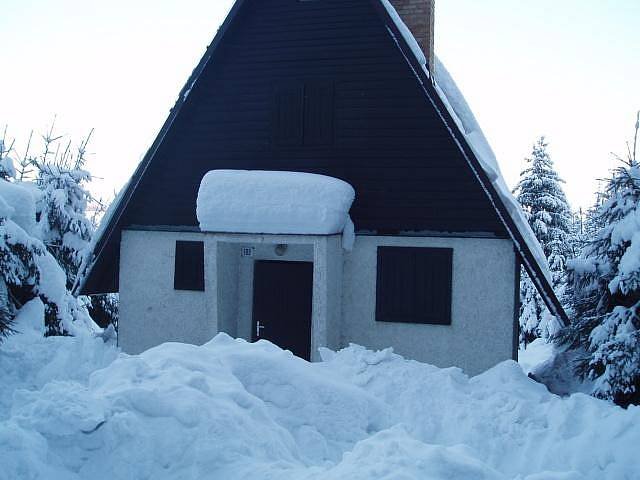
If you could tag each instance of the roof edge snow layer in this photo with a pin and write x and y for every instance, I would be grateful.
(486, 172)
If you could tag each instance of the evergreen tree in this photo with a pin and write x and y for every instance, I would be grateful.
(65, 229)
(606, 286)
(65, 226)
(545, 205)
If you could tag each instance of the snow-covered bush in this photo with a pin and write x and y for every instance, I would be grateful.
(606, 292)
(545, 205)
(28, 270)
(44, 230)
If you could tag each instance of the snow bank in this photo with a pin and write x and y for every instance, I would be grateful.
(253, 201)
(232, 410)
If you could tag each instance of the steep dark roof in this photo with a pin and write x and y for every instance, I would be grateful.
(100, 272)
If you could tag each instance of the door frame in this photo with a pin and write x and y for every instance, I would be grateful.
(254, 320)
(229, 273)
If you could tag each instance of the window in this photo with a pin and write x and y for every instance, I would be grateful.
(304, 113)
(414, 285)
(189, 266)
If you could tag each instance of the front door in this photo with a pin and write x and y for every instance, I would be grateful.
(282, 295)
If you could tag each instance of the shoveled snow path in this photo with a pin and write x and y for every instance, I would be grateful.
(230, 409)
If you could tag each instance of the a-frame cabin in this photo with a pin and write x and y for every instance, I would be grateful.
(339, 88)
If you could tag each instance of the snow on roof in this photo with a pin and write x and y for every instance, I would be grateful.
(258, 201)
(460, 111)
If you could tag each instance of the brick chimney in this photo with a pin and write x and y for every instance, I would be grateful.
(419, 17)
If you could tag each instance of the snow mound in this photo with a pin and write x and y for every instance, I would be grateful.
(74, 408)
(254, 201)
(17, 204)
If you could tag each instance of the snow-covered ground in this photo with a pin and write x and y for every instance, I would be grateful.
(75, 408)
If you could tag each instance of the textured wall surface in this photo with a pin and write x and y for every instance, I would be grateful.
(344, 295)
(151, 311)
(481, 330)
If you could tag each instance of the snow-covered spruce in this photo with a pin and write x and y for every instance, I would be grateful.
(64, 226)
(66, 229)
(606, 300)
(545, 205)
(74, 408)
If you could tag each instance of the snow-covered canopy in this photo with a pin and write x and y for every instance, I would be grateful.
(257, 201)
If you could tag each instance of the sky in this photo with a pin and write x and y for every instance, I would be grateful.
(566, 69)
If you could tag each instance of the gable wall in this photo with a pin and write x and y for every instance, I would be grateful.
(387, 141)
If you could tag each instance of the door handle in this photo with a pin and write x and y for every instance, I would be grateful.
(259, 327)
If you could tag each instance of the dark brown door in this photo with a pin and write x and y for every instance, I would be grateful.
(282, 293)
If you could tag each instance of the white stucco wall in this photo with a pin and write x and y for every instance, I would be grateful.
(151, 311)
(481, 330)
(344, 295)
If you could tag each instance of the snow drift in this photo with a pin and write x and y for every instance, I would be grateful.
(75, 408)
(253, 201)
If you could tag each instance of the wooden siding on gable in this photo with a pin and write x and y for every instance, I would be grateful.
(363, 118)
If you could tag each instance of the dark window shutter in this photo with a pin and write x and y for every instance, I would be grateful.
(414, 285)
(189, 266)
(289, 118)
(318, 113)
